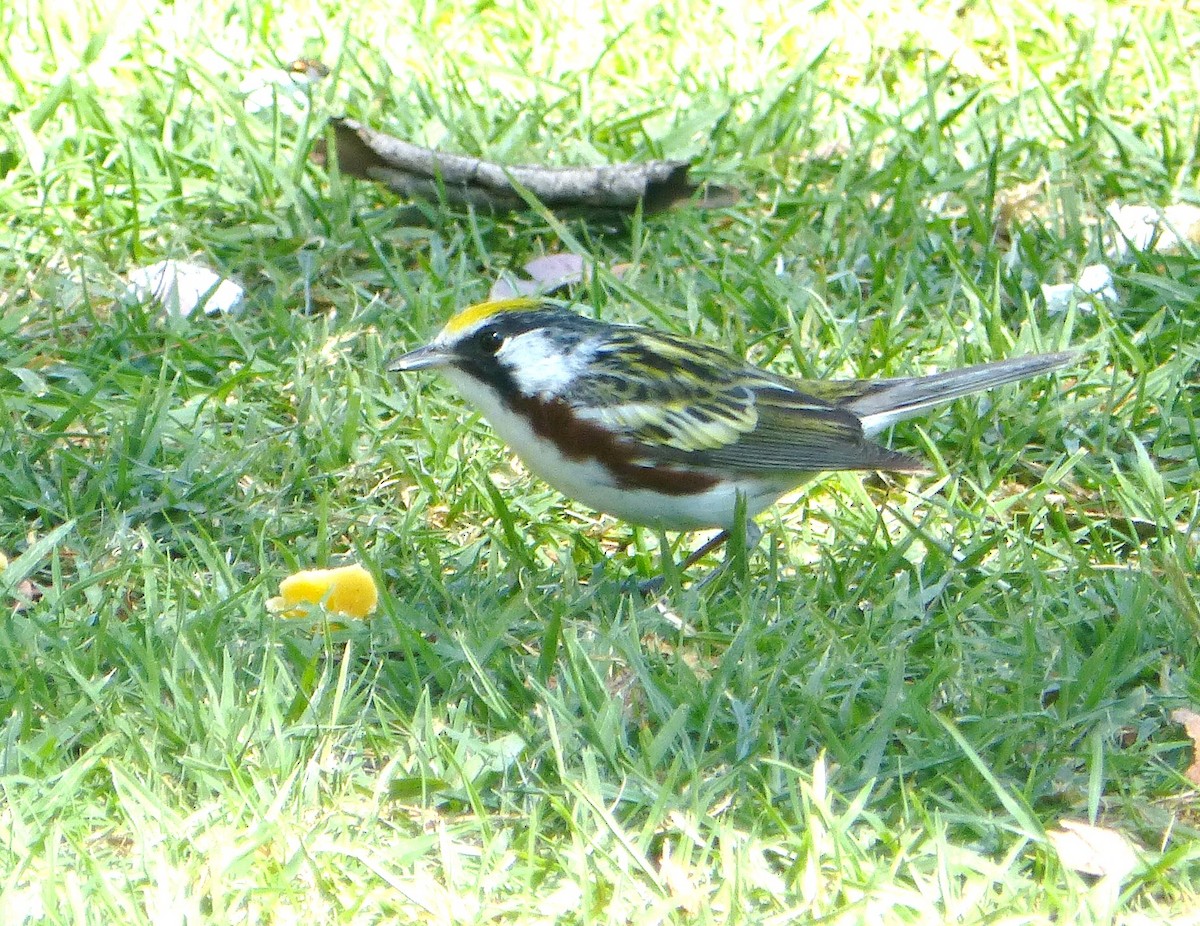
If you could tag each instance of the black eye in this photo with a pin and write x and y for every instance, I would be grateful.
(488, 341)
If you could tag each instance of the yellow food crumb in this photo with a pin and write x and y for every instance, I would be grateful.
(347, 590)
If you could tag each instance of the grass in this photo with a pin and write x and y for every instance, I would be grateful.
(876, 718)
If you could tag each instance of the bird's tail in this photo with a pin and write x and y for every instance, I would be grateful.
(889, 400)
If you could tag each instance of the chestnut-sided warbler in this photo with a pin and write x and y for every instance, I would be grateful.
(665, 431)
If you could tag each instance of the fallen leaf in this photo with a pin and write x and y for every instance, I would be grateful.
(1191, 726)
(556, 269)
(1093, 850)
(547, 273)
(1019, 203)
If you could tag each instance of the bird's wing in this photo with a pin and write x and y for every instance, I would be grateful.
(676, 401)
(799, 433)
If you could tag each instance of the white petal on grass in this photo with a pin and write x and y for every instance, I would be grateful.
(263, 88)
(564, 899)
(179, 287)
(1148, 228)
(1094, 850)
(1095, 282)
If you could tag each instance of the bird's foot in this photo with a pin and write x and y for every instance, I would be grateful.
(752, 535)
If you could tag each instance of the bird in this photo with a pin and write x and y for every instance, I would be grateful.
(669, 432)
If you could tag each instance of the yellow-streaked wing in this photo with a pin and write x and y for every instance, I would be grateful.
(659, 390)
(798, 433)
(677, 401)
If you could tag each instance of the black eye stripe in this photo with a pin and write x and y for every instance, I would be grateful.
(478, 349)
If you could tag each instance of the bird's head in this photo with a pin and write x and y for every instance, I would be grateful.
(528, 345)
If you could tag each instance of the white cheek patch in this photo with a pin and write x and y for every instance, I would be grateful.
(540, 366)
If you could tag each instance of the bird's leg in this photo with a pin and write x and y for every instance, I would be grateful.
(751, 534)
(713, 543)
(653, 585)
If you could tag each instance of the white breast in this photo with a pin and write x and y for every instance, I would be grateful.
(588, 482)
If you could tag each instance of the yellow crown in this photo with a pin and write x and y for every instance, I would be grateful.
(473, 315)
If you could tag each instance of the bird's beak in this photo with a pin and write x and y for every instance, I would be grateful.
(423, 358)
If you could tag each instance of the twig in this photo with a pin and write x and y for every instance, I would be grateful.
(422, 173)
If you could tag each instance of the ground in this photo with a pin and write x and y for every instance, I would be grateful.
(886, 713)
